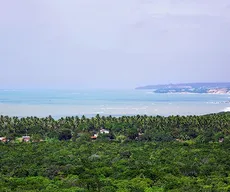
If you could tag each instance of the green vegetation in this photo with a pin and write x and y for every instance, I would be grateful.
(139, 154)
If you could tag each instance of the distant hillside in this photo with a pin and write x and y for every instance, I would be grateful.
(215, 88)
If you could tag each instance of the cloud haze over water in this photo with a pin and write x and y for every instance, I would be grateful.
(113, 44)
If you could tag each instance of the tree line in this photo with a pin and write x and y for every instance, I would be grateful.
(204, 128)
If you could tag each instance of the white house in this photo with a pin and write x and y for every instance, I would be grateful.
(104, 131)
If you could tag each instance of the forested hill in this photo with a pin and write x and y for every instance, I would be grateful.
(134, 154)
(190, 88)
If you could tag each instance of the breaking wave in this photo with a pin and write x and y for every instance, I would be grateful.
(227, 109)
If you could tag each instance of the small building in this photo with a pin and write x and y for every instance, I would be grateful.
(180, 140)
(94, 137)
(221, 140)
(104, 131)
(25, 138)
(3, 139)
(140, 133)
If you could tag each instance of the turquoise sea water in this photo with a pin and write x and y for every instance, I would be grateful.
(107, 102)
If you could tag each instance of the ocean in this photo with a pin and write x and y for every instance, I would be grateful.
(59, 103)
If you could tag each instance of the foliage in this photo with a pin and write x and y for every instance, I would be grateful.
(140, 153)
(146, 128)
(113, 166)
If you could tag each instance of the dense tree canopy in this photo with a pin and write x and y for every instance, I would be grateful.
(113, 166)
(149, 128)
(139, 154)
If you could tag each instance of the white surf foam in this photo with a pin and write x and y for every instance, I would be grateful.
(226, 109)
(98, 112)
(149, 92)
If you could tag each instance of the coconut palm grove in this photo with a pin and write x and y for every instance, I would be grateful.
(123, 154)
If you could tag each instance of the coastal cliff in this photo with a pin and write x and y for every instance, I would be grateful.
(211, 88)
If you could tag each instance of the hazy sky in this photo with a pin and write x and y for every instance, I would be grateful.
(113, 43)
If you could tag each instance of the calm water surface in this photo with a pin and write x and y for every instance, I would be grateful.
(107, 102)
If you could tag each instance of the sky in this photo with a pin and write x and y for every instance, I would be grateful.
(113, 44)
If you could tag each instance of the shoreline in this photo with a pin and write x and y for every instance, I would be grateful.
(185, 93)
(162, 109)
